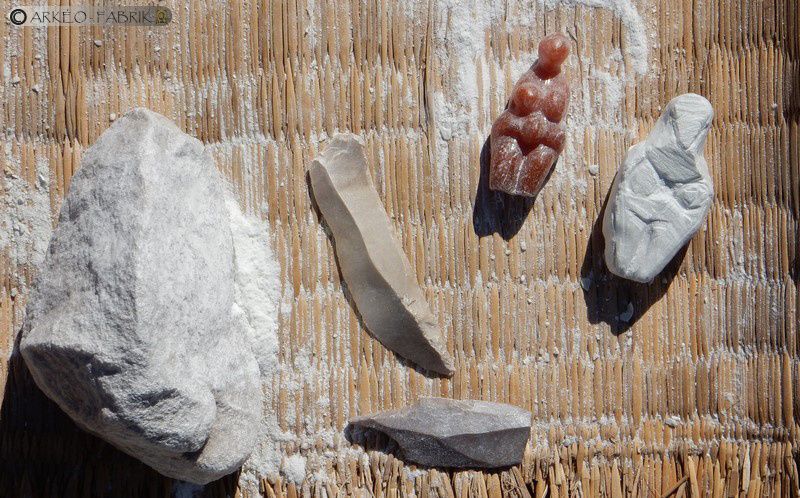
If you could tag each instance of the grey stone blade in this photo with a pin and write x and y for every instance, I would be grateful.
(377, 272)
(440, 432)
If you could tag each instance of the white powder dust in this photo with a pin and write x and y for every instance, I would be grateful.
(257, 296)
(25, 228)
(257, 287)
(25, 218)
(294, 468)
(635, 32)
(459, 44)
(460, 41)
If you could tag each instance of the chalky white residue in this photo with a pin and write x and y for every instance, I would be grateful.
(460, 39)
(25, 226)
(635, 32)
(257, 289)
(257, 296)
(294, 468)
(25, 219)
(309, 22)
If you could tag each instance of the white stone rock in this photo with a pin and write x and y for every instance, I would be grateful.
(661, 194)
(130, 328)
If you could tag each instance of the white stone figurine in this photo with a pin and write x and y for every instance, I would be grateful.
(661, 194)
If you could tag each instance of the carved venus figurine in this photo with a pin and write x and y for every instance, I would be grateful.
(528, 136)
(662, 192)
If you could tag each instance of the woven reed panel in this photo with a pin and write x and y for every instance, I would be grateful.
(688, 385)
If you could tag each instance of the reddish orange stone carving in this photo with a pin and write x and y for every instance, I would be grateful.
(528, 136)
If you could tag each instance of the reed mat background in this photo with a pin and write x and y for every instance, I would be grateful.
(686, 386)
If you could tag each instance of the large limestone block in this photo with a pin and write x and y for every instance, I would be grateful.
(662, 192)
(130, 327)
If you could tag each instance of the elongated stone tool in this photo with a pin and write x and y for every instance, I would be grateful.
(377, 272)
(440, 432)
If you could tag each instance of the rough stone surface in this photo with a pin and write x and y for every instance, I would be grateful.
(130, 327)
(528, 135)
(439, 432)
(661, 194)
(377, 272)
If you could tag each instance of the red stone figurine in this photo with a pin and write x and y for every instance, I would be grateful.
(528, 136)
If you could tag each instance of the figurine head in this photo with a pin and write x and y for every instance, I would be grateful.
(690, 116)
(553, 51)
(675, 145)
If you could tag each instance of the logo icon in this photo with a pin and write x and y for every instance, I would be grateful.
(163, 16)
(18, 17)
